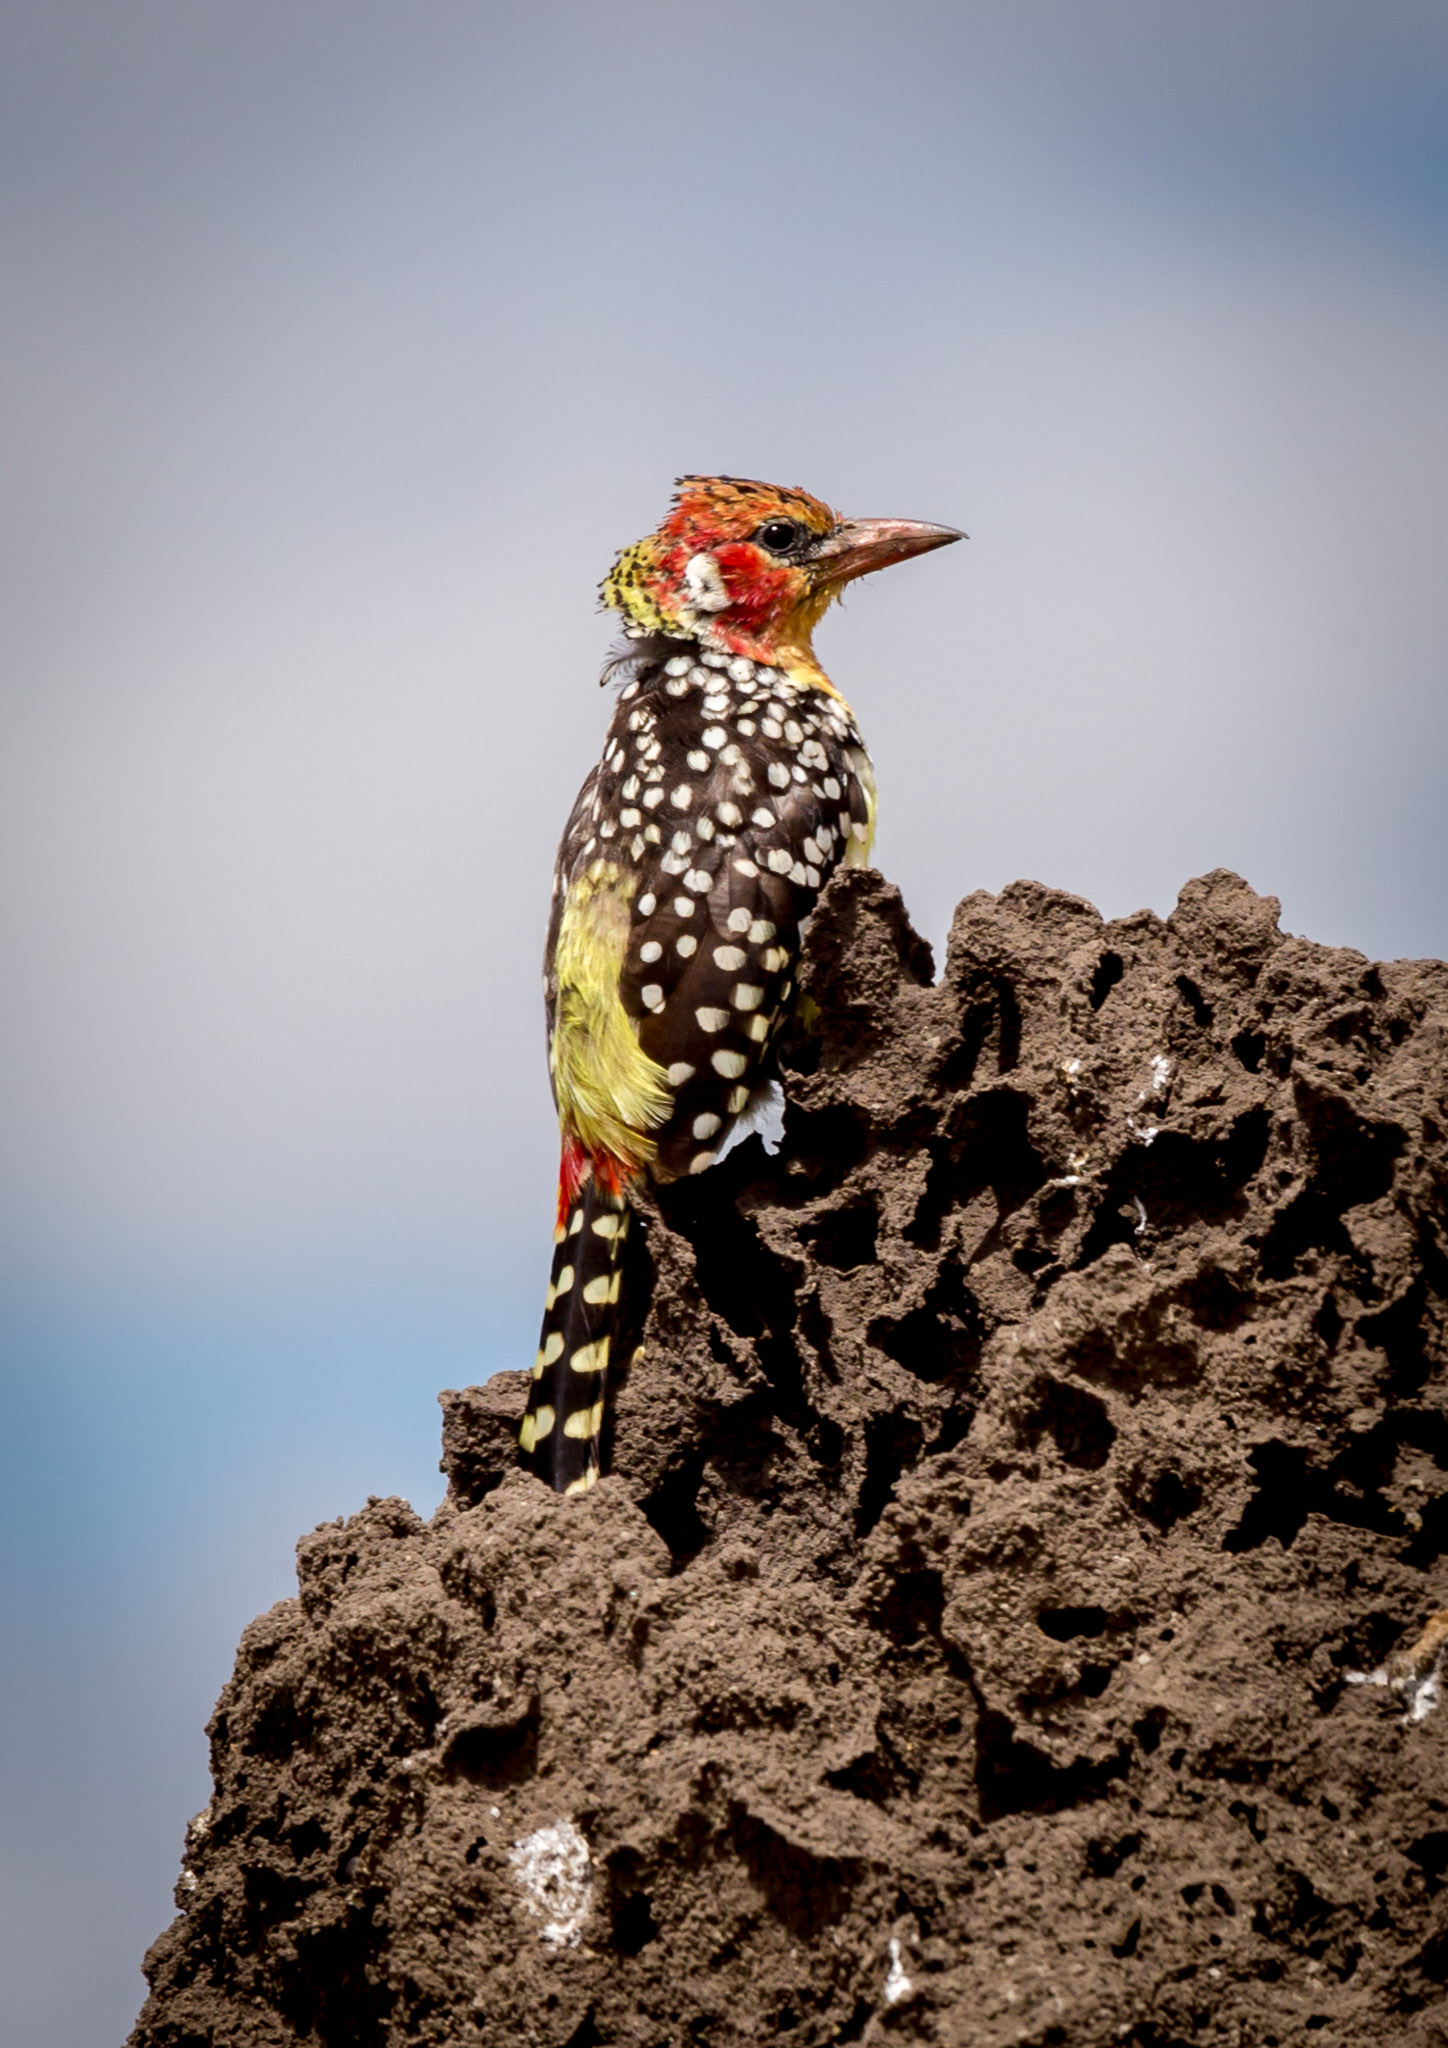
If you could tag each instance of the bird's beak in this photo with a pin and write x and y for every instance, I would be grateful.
(859, 545)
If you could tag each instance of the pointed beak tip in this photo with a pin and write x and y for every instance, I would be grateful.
(862, 545)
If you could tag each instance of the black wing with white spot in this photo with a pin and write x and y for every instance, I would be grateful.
(726, 796)
(762, 806)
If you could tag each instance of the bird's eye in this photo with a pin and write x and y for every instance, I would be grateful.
(780, 535)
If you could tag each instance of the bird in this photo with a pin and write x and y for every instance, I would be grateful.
(733, 782)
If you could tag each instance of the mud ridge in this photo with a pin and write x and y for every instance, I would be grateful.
(1014, 1469)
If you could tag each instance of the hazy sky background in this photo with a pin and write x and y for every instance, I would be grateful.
(343, 345)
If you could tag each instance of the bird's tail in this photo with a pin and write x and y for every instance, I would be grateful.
(563, 1424)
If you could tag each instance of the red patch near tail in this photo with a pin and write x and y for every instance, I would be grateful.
(576, 1165)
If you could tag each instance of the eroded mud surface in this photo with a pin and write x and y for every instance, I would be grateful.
(1015, 1468)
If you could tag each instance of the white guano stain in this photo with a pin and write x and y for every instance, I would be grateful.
(1420, 1692)
(554, 1873)
(1161, 1071)
(897, 1985)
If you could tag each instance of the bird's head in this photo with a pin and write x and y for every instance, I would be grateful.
(750, 568)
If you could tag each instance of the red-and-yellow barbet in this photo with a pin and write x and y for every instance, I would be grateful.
(733, 782)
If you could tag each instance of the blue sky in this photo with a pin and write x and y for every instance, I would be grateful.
(344, 346)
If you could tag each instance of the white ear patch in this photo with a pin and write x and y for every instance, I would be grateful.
(705, 584)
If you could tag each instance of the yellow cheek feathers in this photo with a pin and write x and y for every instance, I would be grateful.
(630, 585)
(610, 1094)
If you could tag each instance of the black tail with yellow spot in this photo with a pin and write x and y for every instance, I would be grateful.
(563, 1425)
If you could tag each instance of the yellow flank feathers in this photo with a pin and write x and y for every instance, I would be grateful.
(610, 1093)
